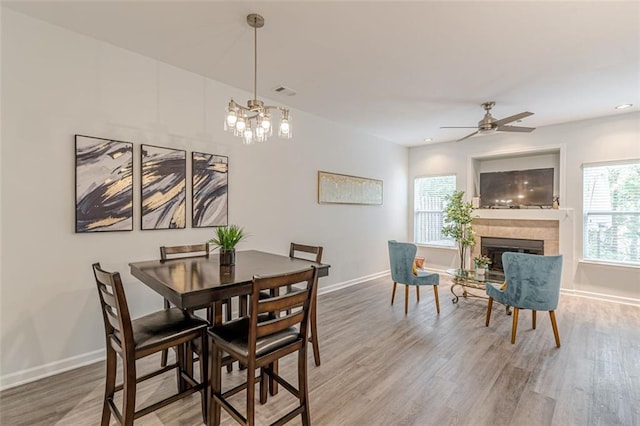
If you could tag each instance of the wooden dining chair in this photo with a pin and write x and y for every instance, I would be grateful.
(259, 340)
(196, 250)
(295, 251)
(132, 340)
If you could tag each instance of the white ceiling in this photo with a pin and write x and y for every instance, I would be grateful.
(397, 70)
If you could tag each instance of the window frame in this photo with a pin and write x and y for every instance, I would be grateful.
(610, 212)
(433, 243)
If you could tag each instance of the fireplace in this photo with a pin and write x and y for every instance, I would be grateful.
(493, 247)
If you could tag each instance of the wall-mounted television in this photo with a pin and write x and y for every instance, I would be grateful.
(517, 189)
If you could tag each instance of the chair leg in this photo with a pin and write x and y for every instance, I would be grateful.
(406, 299)
(204, 375)
(264, 385)
(418, 292)
(435, 295)
(251, 393)
(314, 332)
(303, 391)
(129, 395)
(489, 306)
(273, 385)
(393, 292)
(215, 386)
(109, 385)
(514, 326)
(533, 319)
(552, 315)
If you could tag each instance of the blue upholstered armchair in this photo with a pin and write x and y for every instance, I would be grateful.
(401, 258)
(532, 282)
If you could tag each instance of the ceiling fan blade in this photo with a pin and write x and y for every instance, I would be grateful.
(512, 118)
(468, 136)
(515, 129)
(458, 127)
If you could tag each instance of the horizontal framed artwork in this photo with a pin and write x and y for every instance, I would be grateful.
(104, 185)
(334, 188)
(210, 185)
(164, 172)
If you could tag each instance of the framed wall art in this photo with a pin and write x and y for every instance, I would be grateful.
(104, 185)
(210, 184)
(334, 188)
(163, 183)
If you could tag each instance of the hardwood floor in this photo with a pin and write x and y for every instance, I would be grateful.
(380, 367)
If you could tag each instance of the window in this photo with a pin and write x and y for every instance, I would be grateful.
(428, 206)
(611, 195)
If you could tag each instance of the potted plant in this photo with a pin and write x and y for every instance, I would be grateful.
(481, 263)
(226, 239)
(457, 219)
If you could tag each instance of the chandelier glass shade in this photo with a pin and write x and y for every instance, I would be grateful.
(253, 123)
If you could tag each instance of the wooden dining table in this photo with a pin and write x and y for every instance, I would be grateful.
(198, 282)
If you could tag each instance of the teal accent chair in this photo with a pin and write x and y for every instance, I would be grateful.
(401, 258)
(532, 282)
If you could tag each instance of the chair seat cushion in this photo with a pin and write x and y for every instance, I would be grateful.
(155, 328)
(426, 278)
(235, 334)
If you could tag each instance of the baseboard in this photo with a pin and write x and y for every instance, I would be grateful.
(345, 284)
(601, 297)
(36, 373)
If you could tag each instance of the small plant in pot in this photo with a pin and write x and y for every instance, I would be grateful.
(226, 239)
(481, 262)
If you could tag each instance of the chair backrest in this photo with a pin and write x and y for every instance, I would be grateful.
(533, 281)
(312, 250)
(401, 256)
(196, 250)
(115, 311)
(283, 303)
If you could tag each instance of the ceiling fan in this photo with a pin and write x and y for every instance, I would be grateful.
(489, 124)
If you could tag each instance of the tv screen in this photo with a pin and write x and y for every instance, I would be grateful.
(518, 188)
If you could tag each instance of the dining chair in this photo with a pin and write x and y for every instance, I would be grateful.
(302, 251)
(531, 282)
(196, 250)
(132, 340)
(260, 340)
(401, 258)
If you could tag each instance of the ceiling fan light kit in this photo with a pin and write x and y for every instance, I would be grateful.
(253, 122)
(489, 124)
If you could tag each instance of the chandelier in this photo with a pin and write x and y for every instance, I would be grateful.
(253, 122)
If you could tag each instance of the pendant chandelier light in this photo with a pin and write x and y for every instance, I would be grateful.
(253, 122)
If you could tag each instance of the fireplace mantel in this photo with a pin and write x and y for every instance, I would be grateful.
(523, 214)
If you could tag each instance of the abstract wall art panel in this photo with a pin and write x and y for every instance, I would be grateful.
(104, 185)
(334, 188)
(210, 188)
(163, 188)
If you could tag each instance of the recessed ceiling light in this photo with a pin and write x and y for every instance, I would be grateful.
(428, 139)
(624, 106)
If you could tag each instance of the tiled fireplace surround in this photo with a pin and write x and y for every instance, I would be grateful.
(554, 227)
(546, 230)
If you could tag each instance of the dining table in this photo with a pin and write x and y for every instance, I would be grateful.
(197, 282)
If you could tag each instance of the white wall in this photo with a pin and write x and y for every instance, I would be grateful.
(56, 84)
(604, 139)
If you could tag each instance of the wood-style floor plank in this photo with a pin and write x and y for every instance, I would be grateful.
(380, 367)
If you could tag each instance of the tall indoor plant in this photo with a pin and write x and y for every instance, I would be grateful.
(457, 219)
(226, 238)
